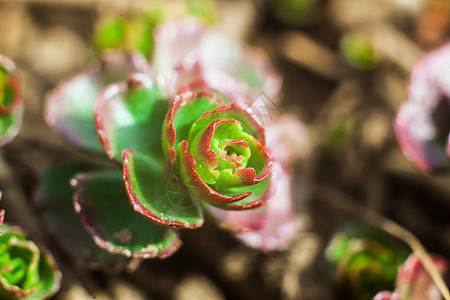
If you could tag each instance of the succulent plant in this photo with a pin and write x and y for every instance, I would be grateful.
(27, 270)
(185, 142)
(136, 30)
(11, 105)
(385, 295)
(365, 261)
(422, 124)
(414, 283)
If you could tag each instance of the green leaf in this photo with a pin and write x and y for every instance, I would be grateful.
(230, 111)
(156, 196)
(69, 108)
(110, 33)
(28, 271)
(101, 201)
(55, 197)
(130, 115)
(184, 111)
(259, 196)
(11, 105)
(187, 114)
(10, 125)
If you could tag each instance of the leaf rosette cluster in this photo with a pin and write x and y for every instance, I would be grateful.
(185, 139)
(365, 261)
(27, 271)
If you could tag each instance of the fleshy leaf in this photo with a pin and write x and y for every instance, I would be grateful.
(413, 281)
(28, 271)
(385, 295)
(225, 65)
(69, 108)
(261, 192)
(365, 260)
(422, 125)
(156, 196)
(269, 227)
(11, 104)
(2, 217)
(130, 115)
(288, 139)
(101, 201)
(186, 108)
(227, 156)
(110, 33)
(234, 111)
(55, 197)
(135, 32)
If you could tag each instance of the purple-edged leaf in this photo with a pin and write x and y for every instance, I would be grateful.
(69, 108)
(101, 201)
(130, 115)
(156, 196)
(11, 104)
(55, 198)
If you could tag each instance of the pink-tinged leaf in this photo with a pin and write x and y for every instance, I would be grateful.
(156, 196)
(69, 108)
(448, 145)
(2, 217)
(422, 124)
(185, 109)
(55, 198)
(224, 64)
(386, 296)
(130, 115)
(288, 139)
(272, 226)
(11, 104)
(269, 227)
(413, 281)
(101, 201)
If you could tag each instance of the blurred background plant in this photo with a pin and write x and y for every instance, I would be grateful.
(365, 261)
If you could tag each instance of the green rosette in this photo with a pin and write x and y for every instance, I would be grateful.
(365, 261)
(27, 270)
